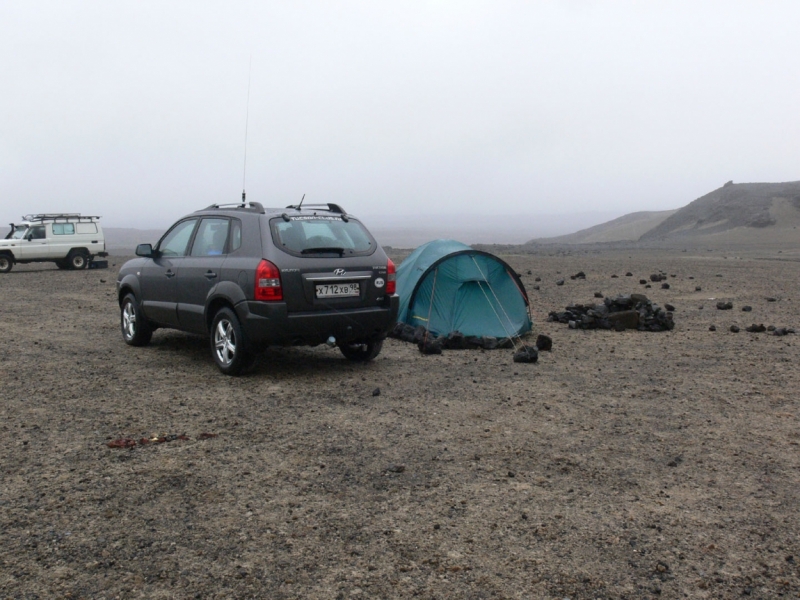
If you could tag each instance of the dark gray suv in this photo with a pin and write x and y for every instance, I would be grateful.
(251, 277)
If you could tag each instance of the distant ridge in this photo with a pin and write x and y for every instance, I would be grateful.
(627, 228)
(738, 213)
(752, 205)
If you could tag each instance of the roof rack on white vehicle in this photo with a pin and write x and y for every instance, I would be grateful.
(58, 217)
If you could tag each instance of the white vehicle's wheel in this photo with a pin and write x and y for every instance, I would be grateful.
(5, 263)
(78, 260)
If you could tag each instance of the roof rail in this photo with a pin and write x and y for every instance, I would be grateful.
(330, 207)
(59, 216)
(249, 206)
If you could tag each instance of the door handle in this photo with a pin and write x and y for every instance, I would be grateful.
(169, 274)
(210, 275)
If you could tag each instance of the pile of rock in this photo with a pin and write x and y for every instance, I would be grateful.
(634, 311)
(430, 343)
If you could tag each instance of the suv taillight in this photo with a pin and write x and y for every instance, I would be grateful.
(391, 278)
(268, 282)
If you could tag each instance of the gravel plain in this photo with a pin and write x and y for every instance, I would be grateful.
(621, 465)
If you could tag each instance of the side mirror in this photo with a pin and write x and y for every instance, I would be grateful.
(145, 250)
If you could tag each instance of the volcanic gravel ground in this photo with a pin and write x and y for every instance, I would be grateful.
(621, 465)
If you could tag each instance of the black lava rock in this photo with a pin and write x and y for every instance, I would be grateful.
(560, 282)
(724, 305)
(669, 307)
(526, 354)
(747, 308)
(544, 343)
(734, 329)
(664, 286)
(634, 311)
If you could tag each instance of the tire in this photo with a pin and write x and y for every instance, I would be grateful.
(77, 260)
(136, 331)
(6, 263)
(228, 345)
(361, 352)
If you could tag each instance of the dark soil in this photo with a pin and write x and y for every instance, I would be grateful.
(621, 465)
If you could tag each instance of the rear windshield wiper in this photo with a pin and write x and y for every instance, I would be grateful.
(325, 250)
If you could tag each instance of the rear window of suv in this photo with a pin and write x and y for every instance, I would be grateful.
(315, 235)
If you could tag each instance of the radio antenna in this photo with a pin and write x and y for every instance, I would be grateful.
(246, 122)
(301, 202)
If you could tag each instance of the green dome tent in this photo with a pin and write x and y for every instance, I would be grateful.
(447, 286)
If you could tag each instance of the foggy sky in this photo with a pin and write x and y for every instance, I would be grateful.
(136, 110)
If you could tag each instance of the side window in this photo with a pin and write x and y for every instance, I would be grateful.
(37, 233)
(236, 235)
(87, 227)
(211, 237)
(63, 229)
(177, 239)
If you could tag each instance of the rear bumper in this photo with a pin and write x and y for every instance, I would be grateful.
(270, 324)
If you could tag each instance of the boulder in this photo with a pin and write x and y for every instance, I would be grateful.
(544, 343)
(526, 354)
(627, 319)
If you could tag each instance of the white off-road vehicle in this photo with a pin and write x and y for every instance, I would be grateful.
(70, 240)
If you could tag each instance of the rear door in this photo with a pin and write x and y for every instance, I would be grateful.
(328, 263)
(158, 278)
(200, 271)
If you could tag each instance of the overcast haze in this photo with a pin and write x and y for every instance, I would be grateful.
(136, 110)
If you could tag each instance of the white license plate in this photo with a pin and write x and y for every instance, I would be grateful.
(338, 290)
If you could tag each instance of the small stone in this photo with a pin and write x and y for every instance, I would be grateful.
(648, 286)
(613, 277)
(770, 299)
(628, 274)
(664, 286)
(536, 287)
(396, 468)
(756, 328)
(598, 295)
(771, 328)
(529, 272)
(724, 305)
(780, 331)
(538, 279)
(669, 307)
(544, 343)
(376, 392)
(526, 354)
(747, 308)
(697, 288)
(734, 329)
(712, 328)
(643, 281)
(512, 474)
(560, 282)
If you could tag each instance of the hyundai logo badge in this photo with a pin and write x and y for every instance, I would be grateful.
(339, 271)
